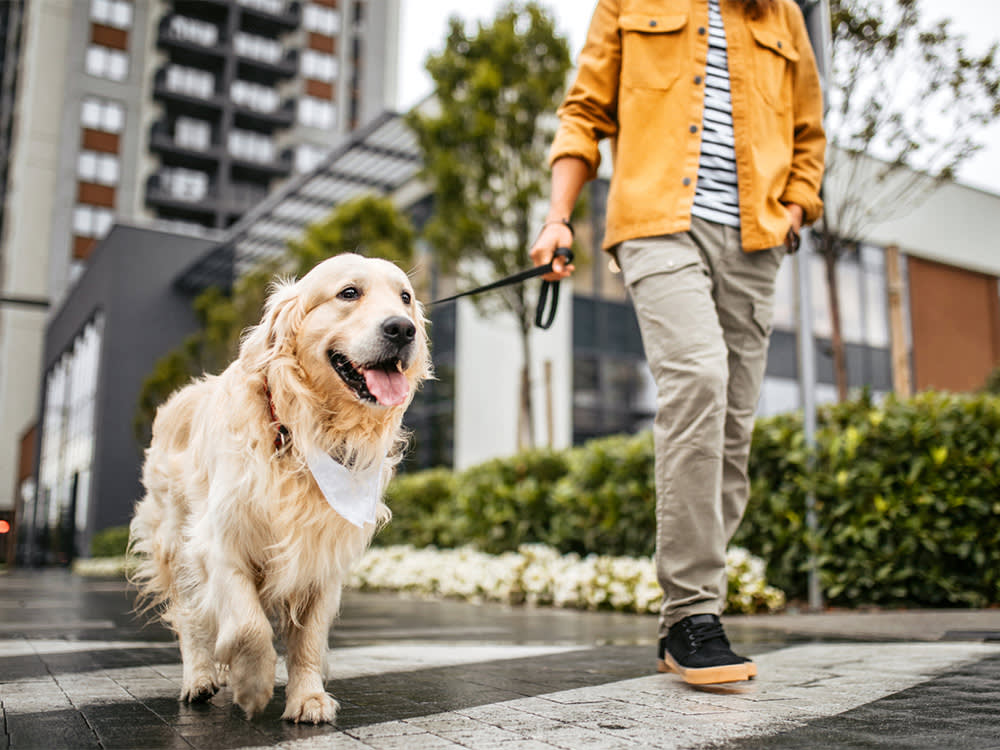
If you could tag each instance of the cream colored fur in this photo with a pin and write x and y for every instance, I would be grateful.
(234, 536)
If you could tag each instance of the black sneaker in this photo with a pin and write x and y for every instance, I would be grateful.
(697, 649)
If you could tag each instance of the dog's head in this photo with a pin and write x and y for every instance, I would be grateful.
(350, 332)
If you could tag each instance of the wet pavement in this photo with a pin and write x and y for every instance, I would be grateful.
(78, 670)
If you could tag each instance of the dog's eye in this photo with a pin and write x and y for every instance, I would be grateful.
(405, 296)
(350, 292)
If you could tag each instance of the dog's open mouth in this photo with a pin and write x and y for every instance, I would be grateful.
(382, 383)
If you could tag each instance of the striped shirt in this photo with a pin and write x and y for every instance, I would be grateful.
(716, 197)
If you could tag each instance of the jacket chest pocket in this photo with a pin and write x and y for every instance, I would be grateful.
(773, 58)
(652, 49)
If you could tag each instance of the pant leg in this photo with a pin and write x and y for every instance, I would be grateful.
(744, 299)
(671, 288)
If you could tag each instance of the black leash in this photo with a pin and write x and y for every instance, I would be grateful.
(541, 320)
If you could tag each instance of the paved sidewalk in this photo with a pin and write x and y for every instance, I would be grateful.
(78, 671)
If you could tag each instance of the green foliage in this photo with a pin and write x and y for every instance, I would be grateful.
(907, 496)
(110, 542)
(605, 502)
(369, 225)
(992, 384)
(421, 508)
(485, 140)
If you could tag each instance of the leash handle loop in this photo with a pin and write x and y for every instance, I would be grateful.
(540, 320)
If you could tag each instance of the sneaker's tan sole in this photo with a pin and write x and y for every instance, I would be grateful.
(708, 675)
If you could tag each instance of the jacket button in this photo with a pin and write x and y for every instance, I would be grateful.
(697, 80)
(686, 181)
(701, 30)
(652, 23)
(694, 128)
(779, 45)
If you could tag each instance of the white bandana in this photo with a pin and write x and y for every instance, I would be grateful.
(354, 495)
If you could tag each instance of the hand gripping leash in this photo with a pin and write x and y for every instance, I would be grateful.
(542, 320)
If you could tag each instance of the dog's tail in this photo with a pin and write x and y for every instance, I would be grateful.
(151, 554)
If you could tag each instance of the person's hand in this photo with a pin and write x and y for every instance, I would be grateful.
(554, 234)
(795, 217)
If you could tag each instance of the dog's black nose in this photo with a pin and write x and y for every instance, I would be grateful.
(399, 330)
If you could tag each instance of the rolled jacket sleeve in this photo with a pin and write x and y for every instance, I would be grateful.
(589, 111)
(809, 146)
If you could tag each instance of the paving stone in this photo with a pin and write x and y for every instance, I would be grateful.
(532, 680)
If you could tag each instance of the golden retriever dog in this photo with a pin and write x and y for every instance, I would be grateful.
(263, 484)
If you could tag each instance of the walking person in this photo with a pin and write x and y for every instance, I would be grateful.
(715, 112)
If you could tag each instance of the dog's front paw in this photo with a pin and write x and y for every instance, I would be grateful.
(200, 688)
(252, 680)
(317, 708)
(253, 697)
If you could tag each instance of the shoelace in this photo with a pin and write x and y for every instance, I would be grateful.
(701, 633)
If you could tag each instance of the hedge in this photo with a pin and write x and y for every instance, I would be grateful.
(907, 495)
(110, 542)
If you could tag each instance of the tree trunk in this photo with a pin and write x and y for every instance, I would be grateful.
(525, 426)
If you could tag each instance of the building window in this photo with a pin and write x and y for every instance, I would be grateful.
(92, 221)
(316, 113)
(257, 47)
(93, 166)
(876, 296)
(319, 66)
(254, 96)
(104, 62)
(277, 7)
(308, 156)
(192, 133)
(116, 13)
(102, 114)
(320, 19)
(249, 145)
(192, 30)
(67, 450)
(191, 81)
(185, 184)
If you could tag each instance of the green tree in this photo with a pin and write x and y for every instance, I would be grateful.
(908, 103)
(369, 225)
(484, 138)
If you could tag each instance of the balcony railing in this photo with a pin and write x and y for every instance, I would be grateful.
(272, 13)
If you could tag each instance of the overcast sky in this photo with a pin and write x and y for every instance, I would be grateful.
(424, 22)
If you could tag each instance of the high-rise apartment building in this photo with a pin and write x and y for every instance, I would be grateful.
(177, 113)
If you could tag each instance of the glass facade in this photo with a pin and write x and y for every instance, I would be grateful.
(59, 514)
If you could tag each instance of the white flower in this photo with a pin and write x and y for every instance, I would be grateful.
(537, 574)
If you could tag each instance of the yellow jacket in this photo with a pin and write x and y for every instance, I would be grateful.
(640, 82)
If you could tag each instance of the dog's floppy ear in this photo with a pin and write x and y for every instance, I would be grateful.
(283, 313)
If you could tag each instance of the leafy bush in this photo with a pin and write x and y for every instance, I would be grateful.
(505, 503)
(110, 542)
(907, 496)
(992, 384)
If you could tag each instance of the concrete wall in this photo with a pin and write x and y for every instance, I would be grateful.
(30, 230)
(130, 278)
(487, 382)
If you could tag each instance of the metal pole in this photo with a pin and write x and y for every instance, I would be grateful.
(817, 17)
(807, 394)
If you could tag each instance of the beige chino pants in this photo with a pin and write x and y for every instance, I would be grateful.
(704, 308)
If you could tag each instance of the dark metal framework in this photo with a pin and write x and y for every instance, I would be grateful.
(378, 159)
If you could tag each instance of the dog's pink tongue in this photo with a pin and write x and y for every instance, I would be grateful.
(390, 388)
